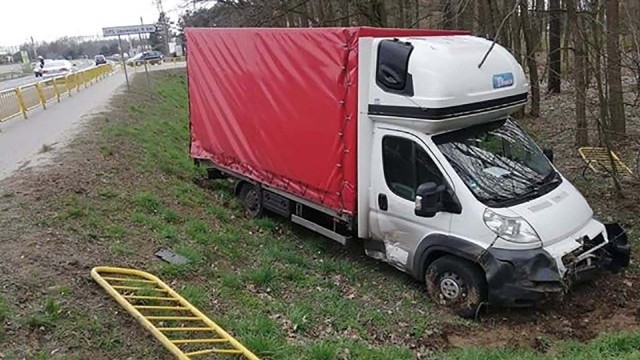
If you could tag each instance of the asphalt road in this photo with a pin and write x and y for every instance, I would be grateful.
(22, 140)
(11, 68)
(29, 79)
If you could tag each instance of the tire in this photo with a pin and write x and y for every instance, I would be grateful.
(251, 199)
(456, 283)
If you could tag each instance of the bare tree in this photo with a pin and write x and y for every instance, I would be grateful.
(582, 134)
(534, 81)
(555, 61)
(614, 81)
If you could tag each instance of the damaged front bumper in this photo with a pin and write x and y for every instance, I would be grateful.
(524, 277)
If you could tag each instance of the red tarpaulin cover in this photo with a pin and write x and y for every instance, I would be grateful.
(280, 105)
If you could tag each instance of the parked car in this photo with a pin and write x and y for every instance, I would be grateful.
(54, 68)
(100, 59)
(151, 57)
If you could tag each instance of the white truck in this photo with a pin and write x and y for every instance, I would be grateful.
(402, 140)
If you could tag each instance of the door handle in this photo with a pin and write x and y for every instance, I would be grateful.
(383, 204)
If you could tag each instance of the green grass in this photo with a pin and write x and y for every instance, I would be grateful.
(285, 293)
(606, 347)
(196, 295)
(4, 309)
(47, 316)
(5, 312)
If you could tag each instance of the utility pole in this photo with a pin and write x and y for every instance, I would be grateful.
(141, 42)
(124, 64)
(33, 46)
(146, 69)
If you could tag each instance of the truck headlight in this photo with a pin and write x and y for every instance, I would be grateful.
(514, 229)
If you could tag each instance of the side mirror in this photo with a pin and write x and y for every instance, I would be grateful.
(548, 153)
(429, 199)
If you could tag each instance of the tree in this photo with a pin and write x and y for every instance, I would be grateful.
(582, 134)
(555, 61)
(614, 81)
(159, 40)
(529, 36)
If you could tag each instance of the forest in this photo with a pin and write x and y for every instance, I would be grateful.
(586, 50)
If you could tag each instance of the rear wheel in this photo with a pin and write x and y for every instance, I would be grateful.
(251, 199)
(456, 283)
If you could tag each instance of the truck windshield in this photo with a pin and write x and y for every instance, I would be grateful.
(499, 163)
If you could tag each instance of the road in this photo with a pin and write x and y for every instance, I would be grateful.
(29, 79)
(22, 141)
(11, 68)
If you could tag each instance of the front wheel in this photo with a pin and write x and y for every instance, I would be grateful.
(456, 283)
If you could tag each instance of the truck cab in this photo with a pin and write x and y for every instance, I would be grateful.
(458, 195)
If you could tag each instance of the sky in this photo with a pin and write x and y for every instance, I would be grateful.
(48, 20)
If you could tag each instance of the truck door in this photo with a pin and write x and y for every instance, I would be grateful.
(400, 163)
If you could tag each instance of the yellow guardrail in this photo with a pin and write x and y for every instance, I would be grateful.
(182, 329)
(20, 100)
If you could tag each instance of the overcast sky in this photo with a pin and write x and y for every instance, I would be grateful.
(48, 20)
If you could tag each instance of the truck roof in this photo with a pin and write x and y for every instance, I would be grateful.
(359, 31)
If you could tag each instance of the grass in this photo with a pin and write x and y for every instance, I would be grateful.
(285, 293)
(607, 347)
(47, 316)
(4, 309)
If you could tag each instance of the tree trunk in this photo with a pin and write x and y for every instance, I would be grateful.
(448, 14)
(555, 61)
(483, 18)
(507, 30)
(582, 134)
(517, 40)
(346, 9)
(491, 12)
(527, 30)
(614, 81)
(538, 23)
(596, 34)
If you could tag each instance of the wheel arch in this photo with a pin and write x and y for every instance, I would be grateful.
(241, 183)
(434, 246)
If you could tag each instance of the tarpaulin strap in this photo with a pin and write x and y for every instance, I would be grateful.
(185, 331)
(347, 83)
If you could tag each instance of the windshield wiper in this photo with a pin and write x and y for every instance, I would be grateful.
(535, 189)
(495, 200)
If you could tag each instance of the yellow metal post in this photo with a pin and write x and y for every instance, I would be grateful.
(55, 89)
(23, 108)
(67, 84)
(43, 102)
